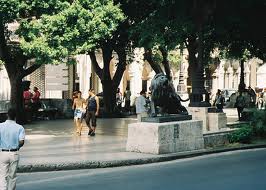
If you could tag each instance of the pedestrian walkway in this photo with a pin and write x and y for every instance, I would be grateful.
(54, 142)
(53, 145)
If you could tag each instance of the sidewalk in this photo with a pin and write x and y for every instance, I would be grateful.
(52, 145)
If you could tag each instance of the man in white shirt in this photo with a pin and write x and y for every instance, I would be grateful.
(12, 136)
(141, 110)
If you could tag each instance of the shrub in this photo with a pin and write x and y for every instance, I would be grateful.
(259, 123)
(242, 135)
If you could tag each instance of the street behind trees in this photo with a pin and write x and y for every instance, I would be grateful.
(243, 170)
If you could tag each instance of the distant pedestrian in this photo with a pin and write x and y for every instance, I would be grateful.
(219, 101)
(118, 98)
(12, 136)
(141, 108)
(127, 95)
(36, 96)
(252, 96)
(79, 112)
(92, 110)
(240, 105)
(260, 102)
(36, 103)
(27, 95)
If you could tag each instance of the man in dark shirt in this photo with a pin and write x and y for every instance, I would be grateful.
(92, 111)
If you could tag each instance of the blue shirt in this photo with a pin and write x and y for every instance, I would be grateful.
(10, 134)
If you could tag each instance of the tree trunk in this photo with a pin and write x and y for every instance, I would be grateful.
(148, 56)
(106, 80)
(16, 73)
(16, 98)
(109, 85)
(166, 63)
(109, 92)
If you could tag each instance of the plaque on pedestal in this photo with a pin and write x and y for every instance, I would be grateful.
(166, 118)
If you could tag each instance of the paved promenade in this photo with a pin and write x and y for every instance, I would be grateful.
(53, 145)
(54, 142)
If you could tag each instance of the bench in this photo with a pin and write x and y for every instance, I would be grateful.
(47, 111)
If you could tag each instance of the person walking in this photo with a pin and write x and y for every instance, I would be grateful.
(12, 136)
(141, 109)
(36, 103)
(79, 112)
(252, 96)
(260, 102)
(118, 99)
(27, 95)
(92, 110)
(36, 96)
(240, 105)
(127, 95)
(219, 101)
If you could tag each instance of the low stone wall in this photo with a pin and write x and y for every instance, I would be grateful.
(4, 105)
(213, 139)
(216, 121)
(163, 138)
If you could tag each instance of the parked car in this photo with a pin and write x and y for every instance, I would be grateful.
(227, 93)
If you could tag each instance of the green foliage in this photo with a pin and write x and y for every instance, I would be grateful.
(8, 10)
(37, 8)
(242, 135)
(174, 57)
(259, 123)
(79, 28)
(235, 22)
(157, 55)
(165, 24)
(53, 30)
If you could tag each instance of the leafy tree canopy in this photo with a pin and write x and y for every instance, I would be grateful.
(238, 30)
(79, 28)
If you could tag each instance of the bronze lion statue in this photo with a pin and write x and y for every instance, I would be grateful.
(163, 94)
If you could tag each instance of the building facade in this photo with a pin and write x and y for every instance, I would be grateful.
(59, 81)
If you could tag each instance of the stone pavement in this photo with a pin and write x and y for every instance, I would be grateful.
(53, 145)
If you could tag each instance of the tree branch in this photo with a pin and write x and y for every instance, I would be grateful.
(154, 66)
(107, 57)
(2, 41)
(165, 62)
(121, 66)
(31, 69)
(95, 64)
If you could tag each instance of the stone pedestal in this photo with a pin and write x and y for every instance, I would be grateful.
(216, 121)
(163, 138)
(166, 118)
(200, 113)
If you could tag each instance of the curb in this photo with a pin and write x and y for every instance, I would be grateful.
(128, 162)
